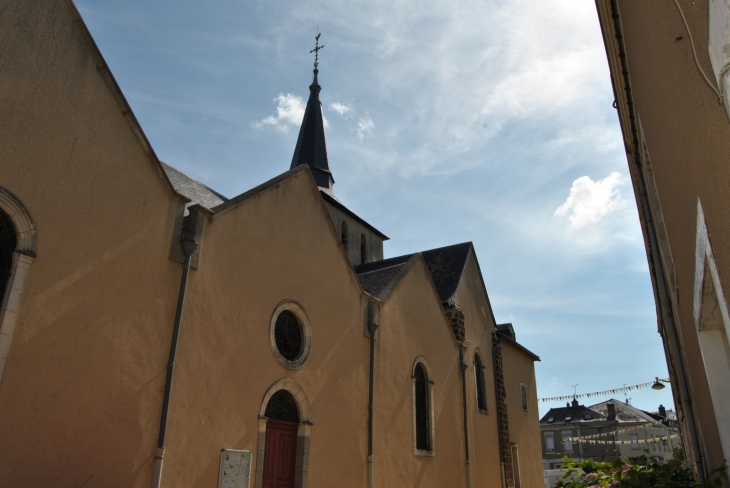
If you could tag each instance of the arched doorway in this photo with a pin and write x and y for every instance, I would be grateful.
(280, 453)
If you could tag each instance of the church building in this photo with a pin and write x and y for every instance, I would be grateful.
(154, 332)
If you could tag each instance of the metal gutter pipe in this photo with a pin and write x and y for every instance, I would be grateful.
(189, 246)
(463, 366)
(372, 327)
(665, 304)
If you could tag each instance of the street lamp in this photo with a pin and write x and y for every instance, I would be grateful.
(659, 384)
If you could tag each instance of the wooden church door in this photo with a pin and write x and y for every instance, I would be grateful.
(280, 454)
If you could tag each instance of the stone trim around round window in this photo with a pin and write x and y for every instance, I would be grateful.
(298, 311)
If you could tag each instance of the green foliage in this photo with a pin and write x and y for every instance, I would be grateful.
(644, 473)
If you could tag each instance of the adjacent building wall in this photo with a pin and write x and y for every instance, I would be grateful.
(684, 138)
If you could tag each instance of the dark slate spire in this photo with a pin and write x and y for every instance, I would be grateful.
(311, 146)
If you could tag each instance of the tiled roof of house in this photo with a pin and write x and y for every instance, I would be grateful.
(624, 412)
(579, 413)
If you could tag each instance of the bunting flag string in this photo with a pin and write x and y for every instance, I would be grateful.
(617, 431)
(629, 442)
(613, 391)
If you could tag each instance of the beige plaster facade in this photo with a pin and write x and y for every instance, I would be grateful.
(82, 380)
(668, 73)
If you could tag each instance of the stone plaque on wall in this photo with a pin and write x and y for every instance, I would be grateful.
(235, 469)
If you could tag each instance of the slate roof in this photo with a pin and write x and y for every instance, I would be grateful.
(378, 282)
(576, 414)
(446, 265)
(624, 412)
(197, 192)
(328, 196)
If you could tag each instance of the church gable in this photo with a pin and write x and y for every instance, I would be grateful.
(283, 220)
(53, 73)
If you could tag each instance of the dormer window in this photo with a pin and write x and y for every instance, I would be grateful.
(551, 420)
(587, 416)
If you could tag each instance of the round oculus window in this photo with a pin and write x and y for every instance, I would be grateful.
(288, 335)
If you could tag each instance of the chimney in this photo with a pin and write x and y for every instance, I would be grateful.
(662, 411)
(611, 411)
(574, 403)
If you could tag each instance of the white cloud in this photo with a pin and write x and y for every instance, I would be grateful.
(590, 201)
(289, 113)
(341, 108)
(364, 126)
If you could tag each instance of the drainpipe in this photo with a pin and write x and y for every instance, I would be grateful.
(189, 246)
(497, 345)
(463, 366)
(665, 304)
(372, 327)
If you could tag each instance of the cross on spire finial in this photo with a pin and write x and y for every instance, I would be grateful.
(316, 49)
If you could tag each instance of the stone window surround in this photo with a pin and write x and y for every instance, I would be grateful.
(298, 311)
(25, 252)
(432, 428)
(477, 353)
(301, 473)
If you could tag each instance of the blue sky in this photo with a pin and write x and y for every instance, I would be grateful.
(487, 121)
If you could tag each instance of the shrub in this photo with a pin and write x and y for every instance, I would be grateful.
(644, 473)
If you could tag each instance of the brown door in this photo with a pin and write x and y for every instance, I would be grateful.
(280, 454)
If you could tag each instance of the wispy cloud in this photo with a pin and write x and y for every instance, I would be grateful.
(364, 126)
(340, 108)
(590, 201)
(289, 113)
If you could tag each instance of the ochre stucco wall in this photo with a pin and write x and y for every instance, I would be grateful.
(83, 384)
(524, 425)
(226, 360)
(412, 324)
(479, 327)
(81, 391)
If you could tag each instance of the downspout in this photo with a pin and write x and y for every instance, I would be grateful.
(372, 328)
(189, 246)
(463, 366)
(502, 461)
(665, 304)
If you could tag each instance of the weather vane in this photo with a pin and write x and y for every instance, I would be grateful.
(316, 50)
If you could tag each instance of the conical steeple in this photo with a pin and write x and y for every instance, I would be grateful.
(311, 146)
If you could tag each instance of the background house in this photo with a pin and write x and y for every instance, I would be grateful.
(568, 431)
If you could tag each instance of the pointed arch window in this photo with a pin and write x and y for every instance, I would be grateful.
(422, 420)
(481, 387)
(343, 234)
(363, 249)
(423, 412)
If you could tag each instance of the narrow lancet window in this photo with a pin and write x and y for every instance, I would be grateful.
(363, 249)
(344, 234)
(481, 387)
(423, 430)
